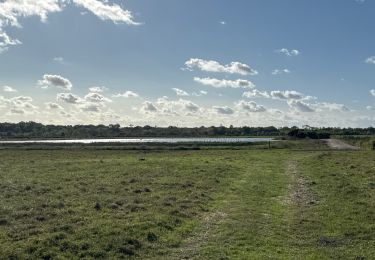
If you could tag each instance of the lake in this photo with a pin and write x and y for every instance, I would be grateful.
(143, 140)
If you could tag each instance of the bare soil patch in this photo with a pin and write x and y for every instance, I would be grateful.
(340, 145)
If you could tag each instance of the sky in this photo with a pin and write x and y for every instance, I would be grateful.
(188, 62)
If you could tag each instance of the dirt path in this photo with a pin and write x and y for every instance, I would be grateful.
(300, 194)
(190, 249)
(340, 145)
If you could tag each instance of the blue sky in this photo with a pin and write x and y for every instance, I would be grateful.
(184, 62)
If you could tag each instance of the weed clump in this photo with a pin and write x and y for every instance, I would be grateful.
(130, 246)
(41, 218)
(97, 206)
(151, 237)
(3, 222)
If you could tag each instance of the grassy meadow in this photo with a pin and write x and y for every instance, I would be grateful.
(217, 203)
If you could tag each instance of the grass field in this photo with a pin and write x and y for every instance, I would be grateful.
(197, 204)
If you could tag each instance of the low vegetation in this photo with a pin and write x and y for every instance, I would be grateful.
(203, 204)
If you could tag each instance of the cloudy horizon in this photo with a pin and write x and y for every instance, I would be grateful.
(255, 63)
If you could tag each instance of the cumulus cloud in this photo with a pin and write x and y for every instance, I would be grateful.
(288, 94)
(300, 106)
(332, 107)
(126, 94)
(96, 98)
(224, 83)
(18, 105)
(93, 102)
(9, 89)
(280, 71)
(105, 11)
(214, 66)
(90, 107)
(12, 10)
(148, 107)
(98, 89)
(166, 107)
(55, 81)
(53, 106)
(249, 106)
(187, 105)
(223, 110)
(254, 93)
(68, 98)
(289, 53)
(372, 92)
(176, 107)
(180, 92)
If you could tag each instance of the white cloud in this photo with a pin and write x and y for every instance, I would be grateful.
(59, 60)
(289, 53)
(189, 106)
(105, 11)
(91, 107)
(9, 89)
(372, 92)
(53, 106)
(6, 41)
(68, 98)
(126, 94)
(332, 107)
(165, 107)
(249, 106)
(370, 60)
(300, 106)
(12, 10)
(18, 105)
(180, 92)
(148, 107)
(214, 66)
(224, 83)
(288, 94)
(280, 71)
(223, 22)
(98, 89)
(200, 93)
(254, 93)
(223, 110)
(55, 81)
(92, 102)
(172, 107)
(96, 98)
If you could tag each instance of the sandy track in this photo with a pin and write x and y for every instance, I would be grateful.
(340, 145)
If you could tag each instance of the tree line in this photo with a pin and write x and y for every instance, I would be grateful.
(33, 130)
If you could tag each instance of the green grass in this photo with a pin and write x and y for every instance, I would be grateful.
(203, 204)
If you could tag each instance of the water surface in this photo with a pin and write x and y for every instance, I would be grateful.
(143, 140)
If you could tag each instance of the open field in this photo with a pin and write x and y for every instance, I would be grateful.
(195, 204)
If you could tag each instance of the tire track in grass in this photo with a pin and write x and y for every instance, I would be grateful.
(191, 247)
